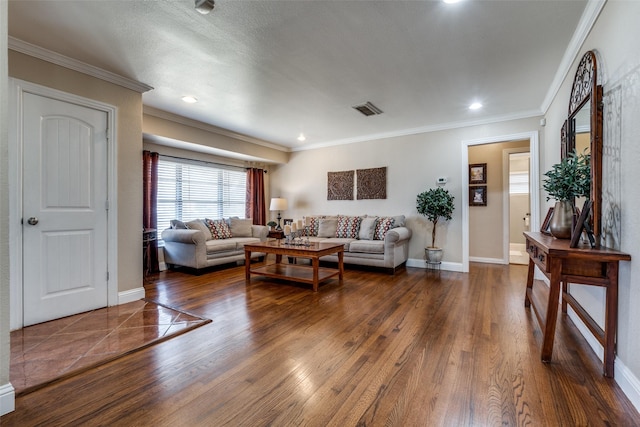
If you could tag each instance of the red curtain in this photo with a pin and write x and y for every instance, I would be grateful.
(150, 214)
(255, 204)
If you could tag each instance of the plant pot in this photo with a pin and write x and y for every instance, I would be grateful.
(433, 255)
(562, 221)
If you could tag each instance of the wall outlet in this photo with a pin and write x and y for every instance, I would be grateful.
(441, 180)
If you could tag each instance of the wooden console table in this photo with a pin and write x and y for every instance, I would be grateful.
(581, 265)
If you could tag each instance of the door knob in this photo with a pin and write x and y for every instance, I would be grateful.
(32, 221)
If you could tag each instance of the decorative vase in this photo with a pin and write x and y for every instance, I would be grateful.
(433, 255)
(562, 221)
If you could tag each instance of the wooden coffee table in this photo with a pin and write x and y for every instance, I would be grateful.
(313, 274)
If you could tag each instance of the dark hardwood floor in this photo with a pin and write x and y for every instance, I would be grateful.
(418, 348)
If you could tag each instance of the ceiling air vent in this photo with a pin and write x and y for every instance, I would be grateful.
(368, 109)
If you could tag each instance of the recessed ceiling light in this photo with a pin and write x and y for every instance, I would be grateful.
(190, 99)
(301, 137)
(451, 1)
(475, 106)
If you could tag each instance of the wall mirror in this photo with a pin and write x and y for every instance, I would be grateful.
(582, 130)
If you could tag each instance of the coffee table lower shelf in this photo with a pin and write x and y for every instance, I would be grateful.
(295, 273)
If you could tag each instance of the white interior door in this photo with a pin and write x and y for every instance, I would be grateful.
(64, 209)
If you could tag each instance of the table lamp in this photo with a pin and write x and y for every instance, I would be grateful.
(278, 204)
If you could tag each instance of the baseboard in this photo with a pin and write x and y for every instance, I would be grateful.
(628, 382)
(448, 266)
(487, 260)
(130, 295)
(7, 399)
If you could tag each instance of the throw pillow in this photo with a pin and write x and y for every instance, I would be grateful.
(219, 229)
(367, 228)
(176, 224)
(198, 224)
(398, 221)
(240, 227)
(314, 223)
(348, 227)
(382, 226)
(327, 227)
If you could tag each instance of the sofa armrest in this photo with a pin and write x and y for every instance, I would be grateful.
(194, 237)
(260, 231)
(397, 234)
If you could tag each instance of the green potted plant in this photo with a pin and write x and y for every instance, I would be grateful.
(435, 203)
(271, 224)
(567, 180)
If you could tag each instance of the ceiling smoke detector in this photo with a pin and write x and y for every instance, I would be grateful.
(368, 109)
(204, 6)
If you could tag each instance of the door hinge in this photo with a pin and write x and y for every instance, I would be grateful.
(107, 276)
(107, 205)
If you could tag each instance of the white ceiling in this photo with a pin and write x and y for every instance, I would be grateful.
(273, 69)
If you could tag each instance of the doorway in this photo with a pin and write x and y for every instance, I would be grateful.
(532, 138)
(517, 203)
(59, 199)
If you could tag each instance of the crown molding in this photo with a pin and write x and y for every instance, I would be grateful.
(587, 21)
(162, 114)
(423, 129)
(73, 64)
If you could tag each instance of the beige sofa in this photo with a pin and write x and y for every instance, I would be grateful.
(205, 243)
(374, 241)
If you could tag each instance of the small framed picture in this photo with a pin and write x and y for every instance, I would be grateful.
(544, 229)
(478, 173)
(478, 196)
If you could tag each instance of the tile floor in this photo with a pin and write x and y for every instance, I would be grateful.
(60, 348)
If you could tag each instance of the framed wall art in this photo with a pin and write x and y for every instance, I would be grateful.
(478, 196)
(477, 173)
(340, 185)
(372, 183)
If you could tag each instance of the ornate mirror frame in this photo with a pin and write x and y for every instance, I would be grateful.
(586, 91)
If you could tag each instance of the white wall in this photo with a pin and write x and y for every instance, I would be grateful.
(614, 37)
(6, 390)
(413, 164)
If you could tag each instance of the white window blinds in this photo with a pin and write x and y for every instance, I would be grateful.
(188, 190)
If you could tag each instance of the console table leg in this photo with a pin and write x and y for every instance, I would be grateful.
(552, 309)
(611, 320)
(527, 300)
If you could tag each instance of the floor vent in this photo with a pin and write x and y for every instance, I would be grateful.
(368, 109)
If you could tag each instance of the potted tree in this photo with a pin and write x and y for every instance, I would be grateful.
(435, 203)
(567, 180)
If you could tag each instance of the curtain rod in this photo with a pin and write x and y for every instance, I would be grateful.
(206, 162)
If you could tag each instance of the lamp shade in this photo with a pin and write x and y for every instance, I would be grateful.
(278, 204)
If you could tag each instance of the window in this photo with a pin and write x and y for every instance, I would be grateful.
(519, 183)
(189, 189)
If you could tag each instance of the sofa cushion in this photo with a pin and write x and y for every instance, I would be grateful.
(367, 246)
(241, 241)
(383, 225)
(240, 227)
(367, 228)
(348, 227)
(327, 227)
(215, 246)
(198, 224)
(345, 242)
(219, 228)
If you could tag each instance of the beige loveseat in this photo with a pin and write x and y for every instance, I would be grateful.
(375, 241)
(204, 243)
